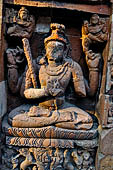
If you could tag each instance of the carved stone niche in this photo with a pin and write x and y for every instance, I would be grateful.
(53, 126)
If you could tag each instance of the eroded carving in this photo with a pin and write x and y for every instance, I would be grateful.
(50, 159)
(15, 58)
(94, 32)
(10, 13)
(107, 163)
(22, 24)
(106, 107)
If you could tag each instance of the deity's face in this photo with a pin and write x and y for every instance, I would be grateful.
(54, 51)
(94, 19)
(23, 15)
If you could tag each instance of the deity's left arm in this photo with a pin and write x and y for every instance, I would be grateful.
(78, 79)
(93, 65)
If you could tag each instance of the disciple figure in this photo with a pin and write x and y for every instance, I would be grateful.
(93, 32)
(23, 24)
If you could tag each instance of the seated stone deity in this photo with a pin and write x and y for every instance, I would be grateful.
(55, 71)
(23, 24)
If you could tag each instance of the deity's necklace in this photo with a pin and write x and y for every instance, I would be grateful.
(55, 71)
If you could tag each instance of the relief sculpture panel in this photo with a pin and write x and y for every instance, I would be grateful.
(22, 24)
(47, 130)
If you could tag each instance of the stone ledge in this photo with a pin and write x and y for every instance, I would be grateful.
(100, 9)
(50, 143)
(48, 132)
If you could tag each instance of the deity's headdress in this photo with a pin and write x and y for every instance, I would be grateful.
(57, 34)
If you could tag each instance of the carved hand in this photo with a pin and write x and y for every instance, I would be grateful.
(33, 93)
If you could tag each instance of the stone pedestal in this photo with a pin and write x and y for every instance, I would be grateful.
(49, 148)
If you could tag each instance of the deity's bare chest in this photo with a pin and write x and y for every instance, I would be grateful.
(60, 74)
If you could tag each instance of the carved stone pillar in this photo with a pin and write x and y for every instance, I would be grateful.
(105, 107)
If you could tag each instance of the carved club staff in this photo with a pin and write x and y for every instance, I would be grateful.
(28, 55)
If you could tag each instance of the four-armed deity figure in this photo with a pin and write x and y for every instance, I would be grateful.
(55, 72)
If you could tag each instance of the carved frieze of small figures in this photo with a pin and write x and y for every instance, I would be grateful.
(20, 23)
(49, 159)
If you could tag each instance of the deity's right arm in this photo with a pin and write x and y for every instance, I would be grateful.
(31, 92)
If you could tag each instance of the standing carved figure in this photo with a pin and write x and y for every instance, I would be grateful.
(93, 32)
(14, 60)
